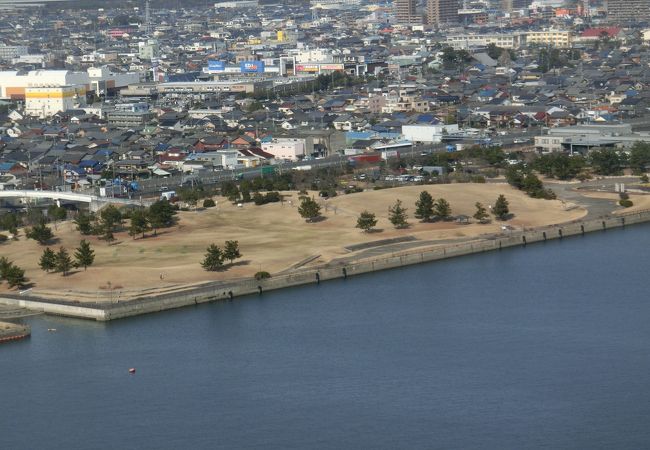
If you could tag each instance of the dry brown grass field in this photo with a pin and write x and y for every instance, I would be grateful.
(272, 237)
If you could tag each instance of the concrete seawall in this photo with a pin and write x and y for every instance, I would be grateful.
(208, 292)
(13, 332)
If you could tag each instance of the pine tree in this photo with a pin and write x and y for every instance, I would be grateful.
(161, 215)
(424, 207)
(139, 223)
(442, 209)
(5, 264)
(10, 222)
(481, 214)
(63, 261)
(397, 215)
(189, 196)
(213, 258)
(56, 213)
(15, 276)
(84, 223)
(501, 209)
(41, 233)
(107, 234)
(48, 260)
(110, 218)
(366, 221)
(309, 209)
(231, 251)
(84, 255)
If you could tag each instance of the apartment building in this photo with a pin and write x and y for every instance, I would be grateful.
(469, 41)
(439, 12)
(8, 52)
(628, 10)
(406, 12)
(552, 38)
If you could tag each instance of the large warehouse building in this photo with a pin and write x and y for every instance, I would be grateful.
(99, 79)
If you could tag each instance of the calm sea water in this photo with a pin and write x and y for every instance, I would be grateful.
(540, 347)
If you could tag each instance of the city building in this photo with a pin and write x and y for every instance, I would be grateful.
(123, 118)
(406, 12)
(426, 133)
(8, 52)
(628, 10)
(99, 79)
(290, 149)
(469, 41)
(553, 38)
(442, 11)
(334, 4)
(148, 50)
(46, 101)
(509, 6)
(14, 83)
(130, 115)
(207, 87)
(241, 4)
(583, 138)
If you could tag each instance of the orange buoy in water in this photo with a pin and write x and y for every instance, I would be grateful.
(131, 370)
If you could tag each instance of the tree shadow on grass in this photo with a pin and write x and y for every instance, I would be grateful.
(159, 232)
(318, 219)
(72, 272)
(25, 286)
(245, 262)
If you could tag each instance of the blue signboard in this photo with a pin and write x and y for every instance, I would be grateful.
(216, 66)
(251, 66)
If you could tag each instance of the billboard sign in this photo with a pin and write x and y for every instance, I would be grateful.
(216, 66)
(331, 66)
(251, 66)
(312, 68)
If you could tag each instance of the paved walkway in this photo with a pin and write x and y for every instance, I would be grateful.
(596, 207)
(569, 192)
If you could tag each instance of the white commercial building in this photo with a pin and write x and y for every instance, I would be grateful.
(101, 79)
(468, 41)
(285, 148)
(148, 50)
(14, 83)
(312, 55)
(237, 5)
(46, 101)
(334, 4)
(428, 133)
(225, 159)
(31, 59)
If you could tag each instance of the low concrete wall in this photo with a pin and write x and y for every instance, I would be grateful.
(103, 310)
(13, 332)
(56, 308)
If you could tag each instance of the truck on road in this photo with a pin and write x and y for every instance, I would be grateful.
(168, 195)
